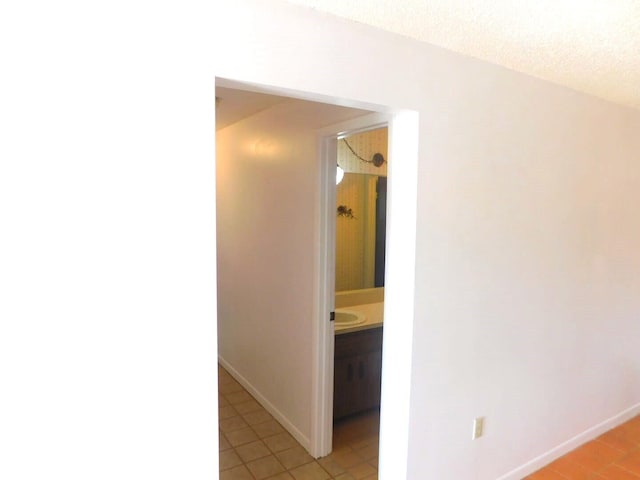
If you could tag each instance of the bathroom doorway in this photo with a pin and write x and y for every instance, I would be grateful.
(248, 303)
(362, 159)
(268, 190)
(361, 210)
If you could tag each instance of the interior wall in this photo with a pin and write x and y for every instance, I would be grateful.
(526, 234)
(527, 271)
(108, 337)
(107, 234)
(268, 168)
(267, 179)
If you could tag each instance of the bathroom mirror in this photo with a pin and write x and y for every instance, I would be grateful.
(361, 204)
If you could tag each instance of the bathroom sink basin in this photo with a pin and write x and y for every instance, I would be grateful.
(349, 317)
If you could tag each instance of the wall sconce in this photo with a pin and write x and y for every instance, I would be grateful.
(377, 160)
(339, 174)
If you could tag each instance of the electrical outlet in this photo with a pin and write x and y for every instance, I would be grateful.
(478, 427)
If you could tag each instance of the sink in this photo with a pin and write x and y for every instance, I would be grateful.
(346, 318)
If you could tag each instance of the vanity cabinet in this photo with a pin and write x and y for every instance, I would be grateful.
(357, 371)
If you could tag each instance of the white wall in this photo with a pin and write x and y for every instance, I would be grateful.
(527, 273)
(107, 243)
(268, 173)
(527, 268)
(526, 260)
(267, 182)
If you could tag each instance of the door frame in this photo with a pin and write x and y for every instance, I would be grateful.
(324, 330)
(402, 178)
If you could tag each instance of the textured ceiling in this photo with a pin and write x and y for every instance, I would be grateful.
(588, 45)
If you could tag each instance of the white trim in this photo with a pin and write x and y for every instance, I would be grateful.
(399, 290)
(323, 332)
(268, 406)
(361, 124)
(323, 329)
(571, 444)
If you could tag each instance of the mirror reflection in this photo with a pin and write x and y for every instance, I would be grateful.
(360, 231)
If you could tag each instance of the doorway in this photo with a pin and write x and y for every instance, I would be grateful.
(362, 160)
(264, 155)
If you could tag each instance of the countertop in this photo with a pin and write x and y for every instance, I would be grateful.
(374, 313)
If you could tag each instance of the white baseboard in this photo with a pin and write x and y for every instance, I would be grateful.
(571, 444)
(268, 406)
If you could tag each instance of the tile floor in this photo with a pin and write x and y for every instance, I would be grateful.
(615, 455)
(253, 446)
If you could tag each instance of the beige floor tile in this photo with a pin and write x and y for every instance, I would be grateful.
(368, 452)
(265, 467)
(238, 397)
(267, 429)
(364, 442)
(347, 459)
(294, 457)
(344, 476)
(226, 412)
(252, 451)
(247, 406)
(282, 441)
(361, 471)
(259, 416)
(229, 459)
(341, 450)
(232, 423)
(224, 443)
(240, 437)
(310, 471)
(230, 387)
(282, 476)
(236, 473)
(330, 465)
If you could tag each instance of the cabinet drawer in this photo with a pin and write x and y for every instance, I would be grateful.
(356, 343)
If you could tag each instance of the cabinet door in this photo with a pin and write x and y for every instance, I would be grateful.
(371, 380)
(345, 387)
(357, 372)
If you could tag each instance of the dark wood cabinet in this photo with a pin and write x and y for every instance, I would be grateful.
(357, 371)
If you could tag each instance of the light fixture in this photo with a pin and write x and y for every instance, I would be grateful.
(339, 174)
(377, 160)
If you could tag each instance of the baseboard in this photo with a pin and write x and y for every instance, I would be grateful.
(268, 406)
(571, 444)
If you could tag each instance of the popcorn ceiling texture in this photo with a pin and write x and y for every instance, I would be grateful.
(591, 46)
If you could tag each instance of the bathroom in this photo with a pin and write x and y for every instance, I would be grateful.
(267, 249)
(359, 272)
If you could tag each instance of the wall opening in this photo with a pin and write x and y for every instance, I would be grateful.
(321, 347)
